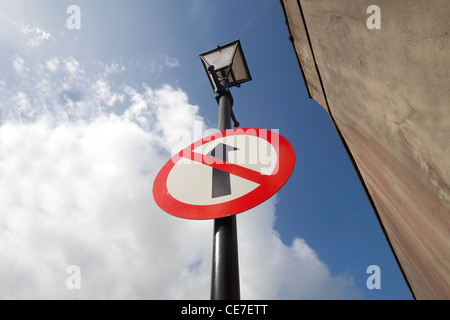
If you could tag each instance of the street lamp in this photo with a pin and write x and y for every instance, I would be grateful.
(228, 62)
(226, 67)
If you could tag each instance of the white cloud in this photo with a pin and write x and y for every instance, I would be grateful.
(170, 62)
(104, 94)
(76, 187)
(19, 65)
(61, 87)
(68, 65)
(161, 64)
(112, 69)
(273, 270)
(53, 64)
(22, 104)
(35, 34)
(72, 66)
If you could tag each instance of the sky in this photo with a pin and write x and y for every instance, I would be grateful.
(90, 113)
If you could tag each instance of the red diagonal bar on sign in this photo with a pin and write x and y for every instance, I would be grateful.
(231, 168)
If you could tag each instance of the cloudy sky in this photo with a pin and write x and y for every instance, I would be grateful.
(88, 116)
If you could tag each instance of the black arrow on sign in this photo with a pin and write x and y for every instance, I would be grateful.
(221, 185)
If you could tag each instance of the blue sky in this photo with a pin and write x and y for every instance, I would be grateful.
(87, 121)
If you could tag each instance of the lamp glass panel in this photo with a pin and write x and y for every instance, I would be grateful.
(239, 68)
(220, 58)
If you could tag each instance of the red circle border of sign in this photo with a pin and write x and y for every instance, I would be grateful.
(232, 207)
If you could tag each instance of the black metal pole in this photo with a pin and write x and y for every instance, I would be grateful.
(225, 266)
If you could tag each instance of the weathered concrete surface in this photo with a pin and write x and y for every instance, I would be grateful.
(388, 94)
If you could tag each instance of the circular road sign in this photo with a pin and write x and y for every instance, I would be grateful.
(224, 174)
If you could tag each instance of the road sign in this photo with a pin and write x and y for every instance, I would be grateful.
(224, 174)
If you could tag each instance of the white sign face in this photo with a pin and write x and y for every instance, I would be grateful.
(192, 182)
(224, 174)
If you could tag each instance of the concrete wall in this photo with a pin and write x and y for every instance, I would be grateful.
(387, 91)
